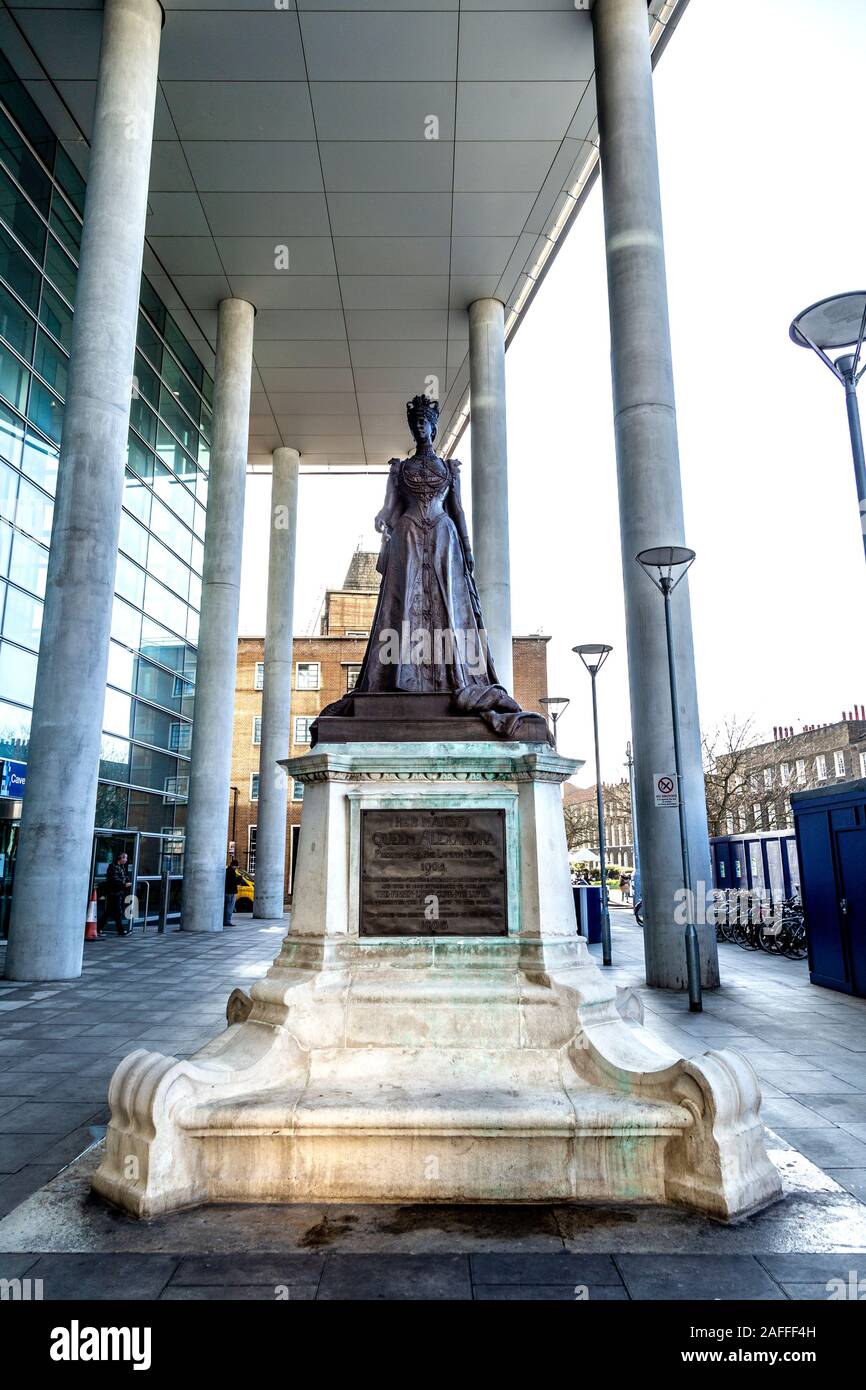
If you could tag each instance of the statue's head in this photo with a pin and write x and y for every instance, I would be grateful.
(423, 415)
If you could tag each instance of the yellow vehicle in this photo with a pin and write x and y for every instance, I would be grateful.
(244, 899)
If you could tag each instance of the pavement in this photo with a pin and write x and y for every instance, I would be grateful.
(60, 1042)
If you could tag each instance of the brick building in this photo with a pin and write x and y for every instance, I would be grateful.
(326, 666)
(763, 775)
(581, 820)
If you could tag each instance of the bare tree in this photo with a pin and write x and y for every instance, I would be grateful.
(581, 813)
(739, 792)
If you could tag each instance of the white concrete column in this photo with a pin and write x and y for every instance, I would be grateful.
(270, 874)
(490, 479)
(650, 495)
(210, 767)
(53, 869)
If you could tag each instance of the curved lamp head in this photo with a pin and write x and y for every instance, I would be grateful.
(593, 655)
(666, 565)
(557, 704)
(831, 324)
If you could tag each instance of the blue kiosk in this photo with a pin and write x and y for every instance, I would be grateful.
(830, 824)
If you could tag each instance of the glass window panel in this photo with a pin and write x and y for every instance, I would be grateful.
(18, 270)
(35, 512)
(182, 351)
(61, 269)
(155, 684)
(149, 341)
(125, 624)
(207, 388)
(197, 557)
(16, 325)
(111, 807)
(138, 457)
(29, 564)
(17, 673)
(195, 591)
(159, 603)
(129, 581)
(206, 423)
(117, 714)
(26, 113)
(14, 732)
(169, 529)
(39, 462)
(152, 303)
(51, 362)
(176, 496)
(180, 738)
(148, 768)
(9, 481)
(199, 521)
(114, 759)
(69, 179)
(142, 419)
(65, 225)
(14, 379)
(146, 380)
(171, 452)
(11, 431)
(21, 163)
(158, 642)
(192, 625)
(133, 539)
(56, 315)
(22, 618)
(21, 218)
(6, 534)
(148, 812)
(180, 388)
(153, 725)
(46, 410)
(168, 568)
(137, 498)
(121, 666)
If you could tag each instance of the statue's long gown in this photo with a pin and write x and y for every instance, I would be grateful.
(427, 633)
(427, 592)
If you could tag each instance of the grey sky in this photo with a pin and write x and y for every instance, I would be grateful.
(758, 109)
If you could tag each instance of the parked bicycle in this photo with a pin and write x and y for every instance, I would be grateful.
(757, 922)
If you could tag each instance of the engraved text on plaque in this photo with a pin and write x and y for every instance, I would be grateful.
(433, 873)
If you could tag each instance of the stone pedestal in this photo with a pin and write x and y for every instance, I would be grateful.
(436, 1067)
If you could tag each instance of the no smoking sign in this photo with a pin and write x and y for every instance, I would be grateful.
(665, 788)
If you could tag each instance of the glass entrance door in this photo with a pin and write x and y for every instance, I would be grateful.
(107, 844)
(8, 846)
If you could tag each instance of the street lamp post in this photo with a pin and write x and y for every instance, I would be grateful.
(825, 327)
(629, 762)
(665, 560)
(556, 705)
(594, 655)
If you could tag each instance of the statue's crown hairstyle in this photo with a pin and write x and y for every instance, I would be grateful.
(421, 407)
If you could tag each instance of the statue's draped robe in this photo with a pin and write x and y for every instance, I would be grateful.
(427, 635)
(428, 632)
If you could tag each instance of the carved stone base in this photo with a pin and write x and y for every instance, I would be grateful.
(434, 1069)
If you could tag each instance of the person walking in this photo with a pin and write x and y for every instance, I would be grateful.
(232, 882)
(117, 885)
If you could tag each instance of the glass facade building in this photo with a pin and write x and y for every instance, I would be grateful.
(151, 674)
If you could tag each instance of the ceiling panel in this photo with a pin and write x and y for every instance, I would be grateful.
(360, 170)
(239, 110)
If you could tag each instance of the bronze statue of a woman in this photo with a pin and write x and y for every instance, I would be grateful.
(428, 633)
